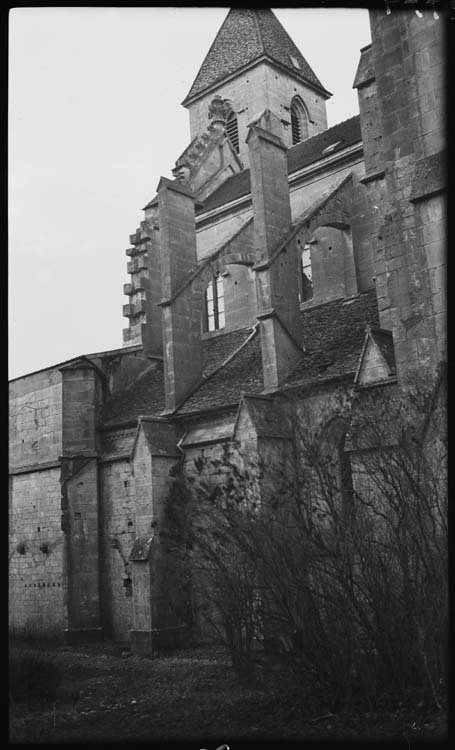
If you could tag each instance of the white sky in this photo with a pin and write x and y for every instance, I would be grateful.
(94, 121)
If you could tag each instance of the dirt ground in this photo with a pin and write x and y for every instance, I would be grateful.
(193, 695)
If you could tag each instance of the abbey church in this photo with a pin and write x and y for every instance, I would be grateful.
(284, 262)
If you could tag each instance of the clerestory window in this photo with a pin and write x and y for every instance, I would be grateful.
(299, 120)
(232, 130)
(306, 274)
(214, 304)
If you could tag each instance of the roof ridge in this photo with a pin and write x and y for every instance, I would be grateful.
(258, 28)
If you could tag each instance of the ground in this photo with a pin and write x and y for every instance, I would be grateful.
(192, 695)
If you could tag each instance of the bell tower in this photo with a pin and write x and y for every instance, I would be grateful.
(254, 65)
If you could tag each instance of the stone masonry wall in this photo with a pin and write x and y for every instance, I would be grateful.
(261, 87)
(181, 319)
(407, 57)
(118, 531)
(430, 222)
(35, 536)
(211, 235)
(80, 523)
(36, 546)
(144, 289)
(35, 416)
(281, 90)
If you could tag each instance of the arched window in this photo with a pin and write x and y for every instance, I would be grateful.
(214, 304)
(299, 120)
(232, 130)
(306, 274)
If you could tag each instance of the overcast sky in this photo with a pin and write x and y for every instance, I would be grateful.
(94, 121)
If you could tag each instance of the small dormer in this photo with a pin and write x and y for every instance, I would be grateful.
(254, 65)
(377, 361)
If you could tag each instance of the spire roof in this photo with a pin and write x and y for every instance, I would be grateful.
(245, 36)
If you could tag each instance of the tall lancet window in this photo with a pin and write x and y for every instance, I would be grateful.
(307, 276)
(232, 130)
(299, 120)
(214, 304)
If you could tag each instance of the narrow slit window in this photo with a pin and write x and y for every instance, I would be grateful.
(214, 304)
(306, 274)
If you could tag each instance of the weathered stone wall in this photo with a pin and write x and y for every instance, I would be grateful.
(281, 88)
(35, 536)
(370, 121)
(181, 319)
(211, 235)
(79, 401)
(144, 289)
(367, 203)
(35, 416)
(80, 502)
(239, 297)
(408, 64)
(81, 545)
(430, 222)
(36, 546)
(261, 87)
(118, 531)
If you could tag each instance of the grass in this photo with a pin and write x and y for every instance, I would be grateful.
(103, 693)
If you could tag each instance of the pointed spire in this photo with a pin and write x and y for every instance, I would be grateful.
(246, 36)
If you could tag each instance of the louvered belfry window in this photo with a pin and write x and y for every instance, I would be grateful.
(232, 130)
(214, 304)
(299, 121)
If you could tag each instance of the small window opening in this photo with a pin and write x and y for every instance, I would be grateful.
(214, 304)
(295, 62)
(232, 130)
(306, 274)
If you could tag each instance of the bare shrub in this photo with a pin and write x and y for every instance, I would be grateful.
(343, 566)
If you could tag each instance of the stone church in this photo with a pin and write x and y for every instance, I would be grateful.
(283, 258)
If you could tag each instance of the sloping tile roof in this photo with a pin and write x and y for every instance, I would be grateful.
(306, 152)
(246, 35)
(334, 334)
(144, 396)
(242, 373)
(299, 156)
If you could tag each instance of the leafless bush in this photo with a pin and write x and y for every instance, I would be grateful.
(344, 566)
